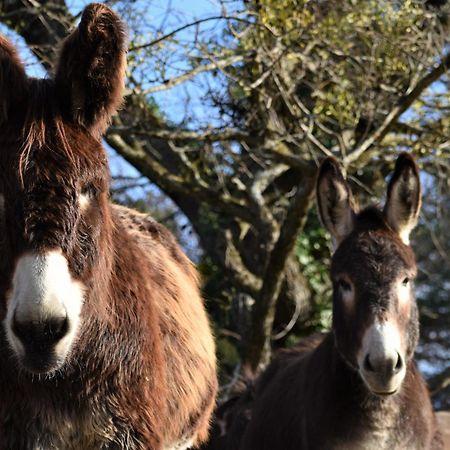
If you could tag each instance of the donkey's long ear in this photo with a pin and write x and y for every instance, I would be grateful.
(334, 200)
(91, 69)
(403, 197)
(12, 79)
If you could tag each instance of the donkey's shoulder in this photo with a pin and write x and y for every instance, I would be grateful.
(141, 223)
(152, 235)
(288, 360)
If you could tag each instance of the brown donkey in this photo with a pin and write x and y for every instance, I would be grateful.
(105, 342)
(356, 387)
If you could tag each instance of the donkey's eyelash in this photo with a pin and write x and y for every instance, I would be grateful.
(89, 190)
(344, 285)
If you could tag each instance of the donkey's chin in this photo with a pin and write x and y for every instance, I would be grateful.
(42, 363)
(383, 387)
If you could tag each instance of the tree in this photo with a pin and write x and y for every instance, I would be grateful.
(286, 83)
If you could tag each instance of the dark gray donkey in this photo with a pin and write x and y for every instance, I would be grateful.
(356, 387)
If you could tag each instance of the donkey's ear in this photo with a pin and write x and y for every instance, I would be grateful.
(403, 197)
(13, 79)
(334, 200)
(91, 70)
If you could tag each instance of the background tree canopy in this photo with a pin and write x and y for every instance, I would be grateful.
(228, 112)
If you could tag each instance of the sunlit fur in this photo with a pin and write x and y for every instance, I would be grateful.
(134, 366)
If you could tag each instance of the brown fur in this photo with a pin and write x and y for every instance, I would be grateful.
(443, 418)
(313, 396)
(180, 313)
(141, 374)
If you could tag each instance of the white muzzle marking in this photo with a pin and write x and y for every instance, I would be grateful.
(382, 342)
(43, 289)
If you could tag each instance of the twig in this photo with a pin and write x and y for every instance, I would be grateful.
(184, 27)
(403, 104)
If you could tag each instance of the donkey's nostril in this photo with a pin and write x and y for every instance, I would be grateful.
(399, 364)
(367, 365)
(43, 333)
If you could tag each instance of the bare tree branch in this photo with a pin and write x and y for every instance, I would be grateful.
(167, 36)
(171, 182)
(258, 344)
(175, 134)
(403, 104)
(214, 65)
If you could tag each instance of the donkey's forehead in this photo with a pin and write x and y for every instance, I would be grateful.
(45, 131)
(58, 151)
(373, 253)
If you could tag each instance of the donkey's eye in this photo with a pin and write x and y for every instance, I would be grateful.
(89, 190)
(405, 282)
(87, 194)
(344, 285)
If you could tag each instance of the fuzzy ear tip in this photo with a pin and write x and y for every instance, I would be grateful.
(98, 17)
(329, 165)
(94, 10)
(406, 160)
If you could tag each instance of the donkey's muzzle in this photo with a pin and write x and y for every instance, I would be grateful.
(383, 373)
(39, 339)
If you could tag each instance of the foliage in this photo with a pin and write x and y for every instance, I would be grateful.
(313, 253)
